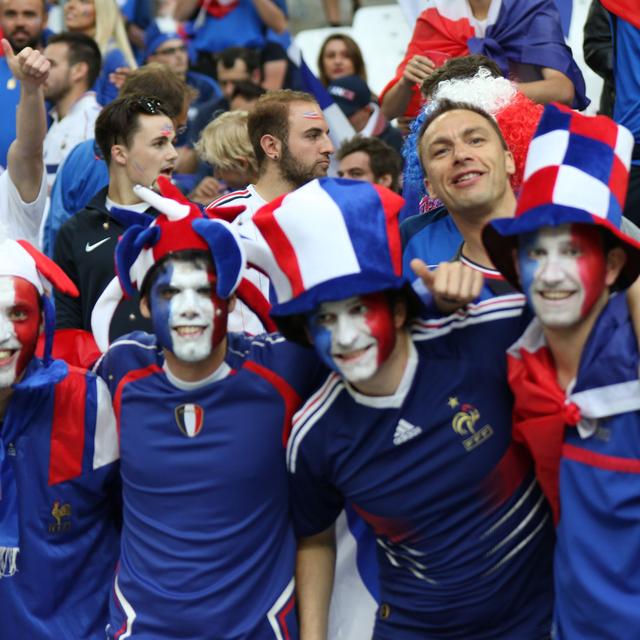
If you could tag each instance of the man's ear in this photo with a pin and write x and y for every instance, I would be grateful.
(119, 154)
(271, 146)
(79, 71)
(510, 163)
(145, 309)
(615, 261)
(385, 180)
(399, 314)
(428, 188)
(232, 303)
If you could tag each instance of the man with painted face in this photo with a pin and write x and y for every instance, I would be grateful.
(207, 545)
(58, 480)
(574, 372)
(402, 430)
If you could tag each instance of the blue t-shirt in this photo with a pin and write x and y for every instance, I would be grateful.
(207, 546)
(59, 435)
(464, 534)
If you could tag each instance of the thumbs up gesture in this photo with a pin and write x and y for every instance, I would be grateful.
(29, 66)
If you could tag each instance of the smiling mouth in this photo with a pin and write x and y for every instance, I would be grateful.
(6, 356)
(166, 171)
(467, 177)
(189, 331)
(553, 296)
(350, 356)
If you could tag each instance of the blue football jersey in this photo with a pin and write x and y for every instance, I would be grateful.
(464, 534)
(207, 546)
(58, 435)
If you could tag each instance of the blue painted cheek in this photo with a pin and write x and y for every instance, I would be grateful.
(161, 311)
(528, 269)
(322, 344)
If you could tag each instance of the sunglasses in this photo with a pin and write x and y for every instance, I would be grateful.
(169, 51)
(150, 106)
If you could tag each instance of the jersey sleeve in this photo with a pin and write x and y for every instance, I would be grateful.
(315, 501)
(299, 366)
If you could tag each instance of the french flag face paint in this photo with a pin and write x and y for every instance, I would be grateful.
(19, 327)
(562, 271)
(188, 318)
(354, 336)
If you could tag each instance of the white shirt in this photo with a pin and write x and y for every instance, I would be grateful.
(77, 126)
(21, 219)
(242, 318)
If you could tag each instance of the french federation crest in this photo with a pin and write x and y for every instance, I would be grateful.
(190, 418)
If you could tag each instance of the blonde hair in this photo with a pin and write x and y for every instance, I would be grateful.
(225, 141)
(110, 27)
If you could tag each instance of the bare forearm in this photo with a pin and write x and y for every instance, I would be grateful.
(271, 15)
(315, 565)
(24, 160)
(184, 9)
(554, 87)
(396, 100)
(633, 300)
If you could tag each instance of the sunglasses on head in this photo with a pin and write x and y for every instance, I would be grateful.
(150, 106)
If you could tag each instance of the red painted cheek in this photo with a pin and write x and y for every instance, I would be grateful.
(220, 315)
(27, 330)
(380, 321)
(591, 264)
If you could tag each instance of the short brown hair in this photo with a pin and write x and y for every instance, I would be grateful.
(459, 68)
(159, 81)
(383, 159)
(271, 117)
(119, 120)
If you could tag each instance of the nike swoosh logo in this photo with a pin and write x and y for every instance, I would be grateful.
(90, 247)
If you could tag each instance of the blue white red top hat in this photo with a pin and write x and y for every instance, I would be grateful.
(179, 226)
(20, 259)
(328, 240)
(577, 172)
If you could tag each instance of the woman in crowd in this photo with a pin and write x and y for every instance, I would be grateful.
(340, 56)
(102, 20)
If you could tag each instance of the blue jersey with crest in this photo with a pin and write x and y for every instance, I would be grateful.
(58, 437)
(464, 535)
(207, 548)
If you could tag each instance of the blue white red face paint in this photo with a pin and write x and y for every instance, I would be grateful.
(354, 336)
(562, 272)
(188, 318)
(19, 327)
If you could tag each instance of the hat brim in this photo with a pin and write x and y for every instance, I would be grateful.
(356, 284)
(500, 238)
(293, 325)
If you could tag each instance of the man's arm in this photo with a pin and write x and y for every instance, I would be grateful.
(315, 565)
(554, 87)
(271, 14)
(24, 160)
(397, 98)
(185, 9)
(633, 300)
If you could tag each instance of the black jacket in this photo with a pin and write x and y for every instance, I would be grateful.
(84, 249)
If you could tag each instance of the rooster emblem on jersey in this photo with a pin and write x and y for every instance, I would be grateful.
(464, 424)
(60, 511)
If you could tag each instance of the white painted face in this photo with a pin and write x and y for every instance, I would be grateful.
(562, 270)
(353, 336)
(19, 327)
(183, 310)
